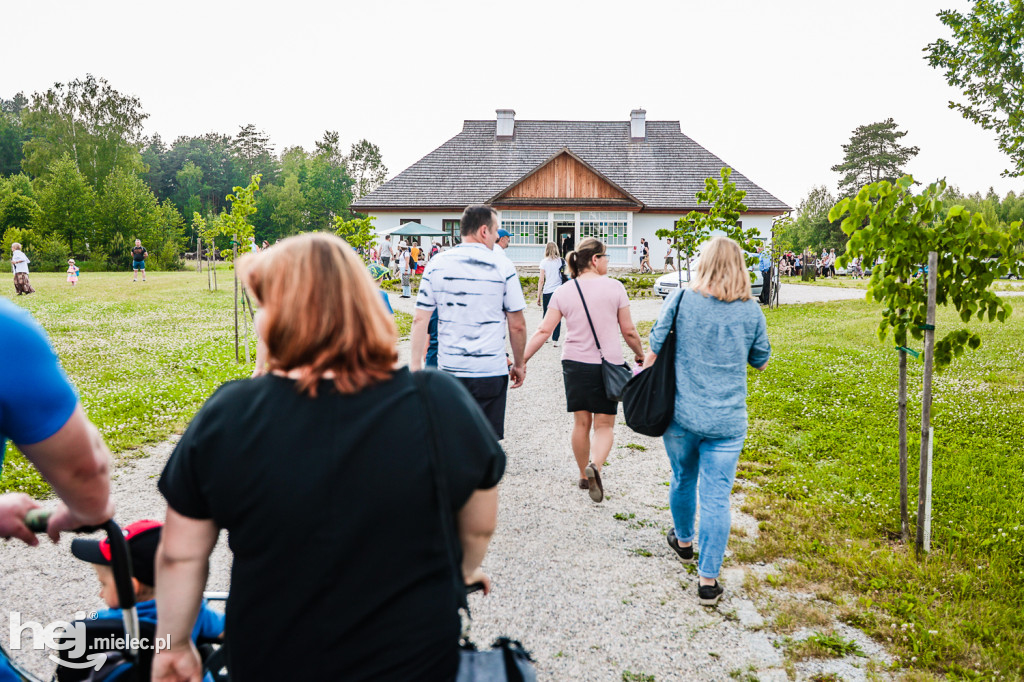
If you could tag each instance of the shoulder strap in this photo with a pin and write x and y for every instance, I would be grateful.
(589, 321)
(441, 491)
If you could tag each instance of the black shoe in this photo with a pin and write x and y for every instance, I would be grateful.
(685, 553)
(596, 488)
(708, 595)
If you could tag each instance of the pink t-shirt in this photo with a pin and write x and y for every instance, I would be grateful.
(604, 298)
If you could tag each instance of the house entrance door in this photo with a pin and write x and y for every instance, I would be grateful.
(565, 232)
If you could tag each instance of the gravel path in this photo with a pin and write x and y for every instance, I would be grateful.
(592, 589)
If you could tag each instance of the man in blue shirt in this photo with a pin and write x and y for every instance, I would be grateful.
(40, 413)
(765, 263)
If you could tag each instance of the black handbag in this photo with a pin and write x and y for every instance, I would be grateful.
(649, 398)
(506, 659)
(614, 376)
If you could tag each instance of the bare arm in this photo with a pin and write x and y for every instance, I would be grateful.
(540, 288)
(547, 326)
(476, 521)
(418, 338)
(182, 566)
(630, 334)
(517, 338)
(76, 462)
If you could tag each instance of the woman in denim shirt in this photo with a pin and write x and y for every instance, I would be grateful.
(721, 330)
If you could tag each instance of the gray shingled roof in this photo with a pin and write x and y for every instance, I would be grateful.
(664, 171)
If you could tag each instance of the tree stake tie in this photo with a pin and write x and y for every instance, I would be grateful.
(909, 351)
(927, 327)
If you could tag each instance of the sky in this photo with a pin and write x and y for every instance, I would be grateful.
(772, 88)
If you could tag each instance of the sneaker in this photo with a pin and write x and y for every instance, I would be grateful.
(685, 553)
(708, 595)
(557, 344)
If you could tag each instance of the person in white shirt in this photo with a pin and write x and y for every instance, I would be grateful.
(19, 263)
(476, 293)
(550, 280)
(385, 253)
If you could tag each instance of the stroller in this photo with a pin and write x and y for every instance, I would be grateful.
(98, 660)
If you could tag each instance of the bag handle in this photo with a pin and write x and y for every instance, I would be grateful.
(589, 321)
(441, 491)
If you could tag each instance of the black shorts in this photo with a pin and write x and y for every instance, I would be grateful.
(584, 389)
(490, 394)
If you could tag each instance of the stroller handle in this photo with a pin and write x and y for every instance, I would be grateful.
(38, 519)
(120, 562)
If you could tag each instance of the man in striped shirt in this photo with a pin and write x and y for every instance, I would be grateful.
(476, 293)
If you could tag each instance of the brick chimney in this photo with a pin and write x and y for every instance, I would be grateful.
(506, 123)
(638, 125)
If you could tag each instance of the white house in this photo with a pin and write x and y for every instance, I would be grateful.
(619, 181)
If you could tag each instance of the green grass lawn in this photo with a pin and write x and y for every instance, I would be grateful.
(822, 455)
(143, 357)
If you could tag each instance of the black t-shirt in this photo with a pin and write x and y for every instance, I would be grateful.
(138, 253)
(340, 569)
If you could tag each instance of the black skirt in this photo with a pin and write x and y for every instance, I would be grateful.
(584, 389)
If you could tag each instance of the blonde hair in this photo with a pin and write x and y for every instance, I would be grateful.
(551, 250)
(322, 313)
(15, 246)
(722, 271)
(582, 259)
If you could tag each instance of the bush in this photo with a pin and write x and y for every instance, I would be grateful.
(98, 263)
(22, 236)
(51, 255)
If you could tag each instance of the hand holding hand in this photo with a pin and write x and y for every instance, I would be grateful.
(517, 375)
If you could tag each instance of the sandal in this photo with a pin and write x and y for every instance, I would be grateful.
(594, 477)
(584, 484)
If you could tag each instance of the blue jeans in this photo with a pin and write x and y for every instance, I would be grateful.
(714, 460)
(545, 298)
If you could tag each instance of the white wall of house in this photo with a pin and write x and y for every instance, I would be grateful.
(387, 221)
(642, 225)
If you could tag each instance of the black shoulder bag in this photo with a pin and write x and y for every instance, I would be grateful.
(561, 272)
(615, 376)
(649, 398)
(506, 659)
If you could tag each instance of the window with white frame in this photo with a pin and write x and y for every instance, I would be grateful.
(608, 226)
(526, 227)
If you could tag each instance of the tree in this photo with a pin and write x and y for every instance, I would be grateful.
(358, 232)
(887, 220)
(725, 205)
(254, 152)
(327, 190)
(18, 210)
(236, 223)
(812, 228)
(213, 154)
(983, 62)
(289, 209)
(329, 147)
(154, 157)
(874, 154)
(97, 126)
(127, 209)
(13, 135)
(366, 168)
(67, 204)
(189, 183)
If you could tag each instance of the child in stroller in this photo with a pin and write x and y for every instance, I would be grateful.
(142, 538)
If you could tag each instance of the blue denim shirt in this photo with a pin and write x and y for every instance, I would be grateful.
(715, 341)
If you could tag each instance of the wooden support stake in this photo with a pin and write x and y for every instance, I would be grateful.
(923, 506)
(234, 251)
(904, 514)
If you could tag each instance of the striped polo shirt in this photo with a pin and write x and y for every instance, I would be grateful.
(472, 288)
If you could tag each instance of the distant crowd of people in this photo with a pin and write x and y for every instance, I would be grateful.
(824, 265)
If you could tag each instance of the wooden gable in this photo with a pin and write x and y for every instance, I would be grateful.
(564, 176)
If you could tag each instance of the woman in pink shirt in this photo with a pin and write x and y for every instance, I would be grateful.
(608, 304)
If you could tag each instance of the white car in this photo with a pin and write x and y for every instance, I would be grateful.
(669, 282)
